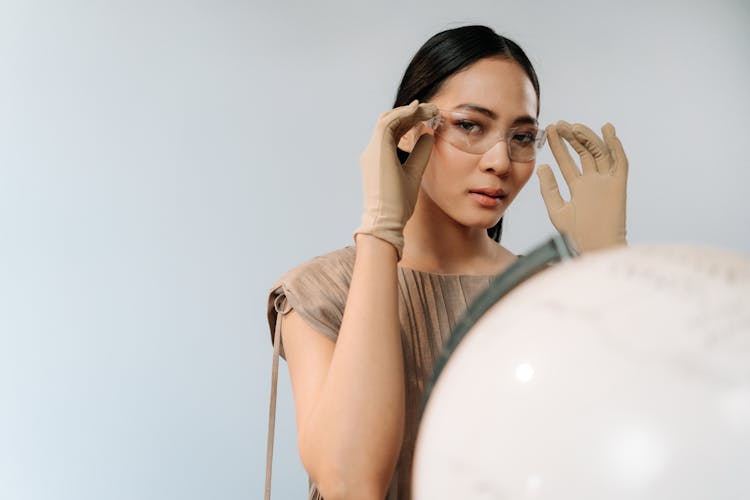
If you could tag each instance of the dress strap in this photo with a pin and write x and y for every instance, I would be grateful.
(272, 405)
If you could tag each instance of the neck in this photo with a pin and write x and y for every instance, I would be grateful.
(435, 242)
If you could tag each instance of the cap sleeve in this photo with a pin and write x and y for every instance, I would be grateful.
(317, 290)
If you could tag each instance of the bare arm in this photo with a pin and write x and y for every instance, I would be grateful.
(350, 413)
(350, 397)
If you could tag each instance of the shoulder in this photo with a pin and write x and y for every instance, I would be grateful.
(333, 267)
(316, 289)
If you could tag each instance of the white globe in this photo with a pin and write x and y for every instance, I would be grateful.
(617, 375)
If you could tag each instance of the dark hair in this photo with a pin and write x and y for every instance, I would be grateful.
(449, 52)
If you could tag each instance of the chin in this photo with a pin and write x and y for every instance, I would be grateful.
(470, 215)
(483, 221)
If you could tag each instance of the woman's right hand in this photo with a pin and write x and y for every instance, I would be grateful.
(390, 188)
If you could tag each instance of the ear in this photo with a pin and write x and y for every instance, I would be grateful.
(409, 139)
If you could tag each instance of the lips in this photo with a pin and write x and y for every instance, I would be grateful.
(492, 193)
(488, 197)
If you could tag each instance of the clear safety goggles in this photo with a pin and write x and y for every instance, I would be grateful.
(476, 133)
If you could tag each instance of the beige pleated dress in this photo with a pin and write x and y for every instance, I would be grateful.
(430, 305)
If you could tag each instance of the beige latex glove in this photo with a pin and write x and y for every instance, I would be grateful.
(389, 188)
(595, 215)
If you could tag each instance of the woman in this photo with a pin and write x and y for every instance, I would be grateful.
(362, 326)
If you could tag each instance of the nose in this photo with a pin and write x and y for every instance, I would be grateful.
(496, 160)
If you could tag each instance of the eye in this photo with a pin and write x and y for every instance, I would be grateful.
(468, 127)
(524, 138)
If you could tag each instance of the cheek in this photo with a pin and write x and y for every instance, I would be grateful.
(447, 171)
(523, 173)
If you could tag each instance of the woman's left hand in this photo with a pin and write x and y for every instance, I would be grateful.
(594, 217)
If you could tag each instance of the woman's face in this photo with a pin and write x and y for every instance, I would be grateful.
(493, 95)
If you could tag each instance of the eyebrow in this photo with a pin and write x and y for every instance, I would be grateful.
(521, 120)
(478, 109)
(525, 120)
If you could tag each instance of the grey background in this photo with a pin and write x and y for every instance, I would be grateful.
(162, 162)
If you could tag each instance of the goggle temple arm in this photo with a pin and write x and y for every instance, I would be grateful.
(434, 122)
(542, 139)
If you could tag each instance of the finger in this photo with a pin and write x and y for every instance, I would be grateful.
(565, 130)
(549, 189)
(402, 119)
(620, 160)
(595, 146)
(420, 154)
(562, 156)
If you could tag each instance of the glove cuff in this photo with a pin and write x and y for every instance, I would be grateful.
(388, 231)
